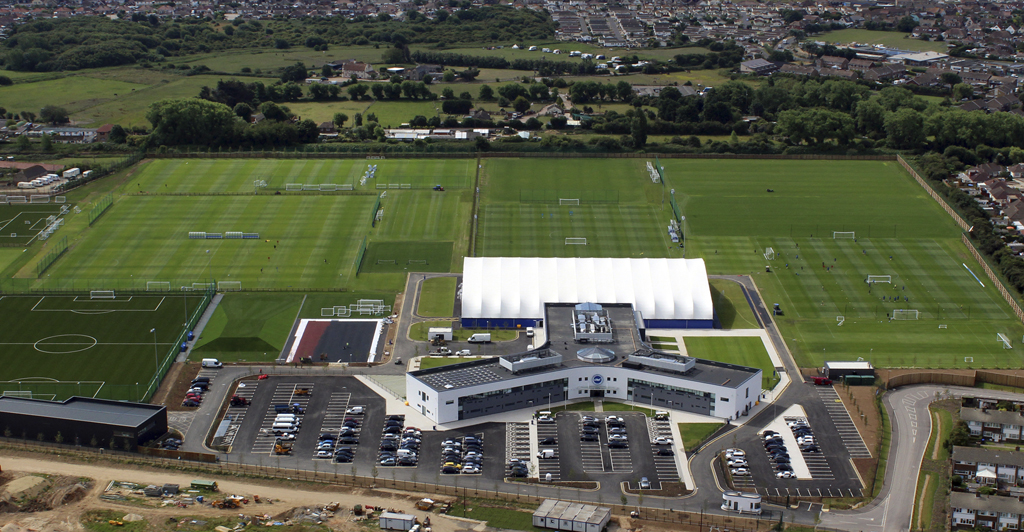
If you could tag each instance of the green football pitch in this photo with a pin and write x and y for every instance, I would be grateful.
(819, 279)
(20, 224)
(604, 207)
(59, 346)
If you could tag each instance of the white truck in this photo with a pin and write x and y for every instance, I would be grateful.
(480, 338)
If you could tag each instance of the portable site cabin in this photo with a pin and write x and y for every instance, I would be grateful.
(394, 521)
(744, 503)
(837, 370)
(86, 174)
(571, 517)
(443, 333)
(208, 485)
(72, 173)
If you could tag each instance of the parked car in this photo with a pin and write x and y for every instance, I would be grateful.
(737, 462)
(644, 483)
(665, 451)
(545, 419)
(785, 474)
(356, 410)
(548, 441)
(662, 440)
(734, 453)
(740, 472)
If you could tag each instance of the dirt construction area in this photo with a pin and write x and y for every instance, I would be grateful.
(61, 502)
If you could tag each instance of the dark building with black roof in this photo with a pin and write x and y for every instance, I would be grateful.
(83, 421)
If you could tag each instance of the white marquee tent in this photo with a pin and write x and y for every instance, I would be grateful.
(663, 290)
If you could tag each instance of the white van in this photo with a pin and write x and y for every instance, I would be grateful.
(212, 363)
(546, 453)
(286, 418)
(284, 426)
(529, 332)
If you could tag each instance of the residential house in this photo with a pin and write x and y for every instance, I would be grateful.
(1001, 192)
(989, 467)
(798, 70)
(421, 71)
(997, 425)
(358, 69)
(103, 132)
(969, 510)
(327, 128)
(885, 73)
(829, 61)
(861, 65)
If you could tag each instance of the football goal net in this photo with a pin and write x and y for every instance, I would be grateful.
(850, 235)
(229, 285)
(102, 294)
(1005, 340)
(576, 241)
(905, 314)
(878, 279)
(158, 286)
(769, 254)
(568, 201)
(385, 261)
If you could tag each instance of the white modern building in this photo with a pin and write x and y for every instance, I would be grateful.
(510, 292)
(564, 370)
(571, 516)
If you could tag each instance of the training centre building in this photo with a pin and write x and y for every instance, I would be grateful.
(511, 292)
(84, 421)
(592, 351)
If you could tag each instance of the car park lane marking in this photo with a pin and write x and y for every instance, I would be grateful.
(843, 423)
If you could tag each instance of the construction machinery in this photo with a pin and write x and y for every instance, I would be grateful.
(282, 447)
(302, 391)
(225, 504)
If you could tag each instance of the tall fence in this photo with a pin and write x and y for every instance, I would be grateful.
(172, 354)
(470, 154)
(101, 207)
(336, 475)
(52, 256)
(968, 380)
(931, 192)
(1010, 299)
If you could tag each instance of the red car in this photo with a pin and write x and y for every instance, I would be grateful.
(262, 376)
(822, 381)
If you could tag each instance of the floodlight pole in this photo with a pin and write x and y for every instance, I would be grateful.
(156, 364)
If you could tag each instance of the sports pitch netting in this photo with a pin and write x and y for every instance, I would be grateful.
(59, 346)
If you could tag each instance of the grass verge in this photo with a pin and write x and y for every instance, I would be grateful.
(418, 332)
(437, 297)
(731, 305)
(504, 518)
(627, 407)
(693, 434)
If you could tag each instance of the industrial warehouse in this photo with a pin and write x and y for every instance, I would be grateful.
(592, 351)
(510, 292)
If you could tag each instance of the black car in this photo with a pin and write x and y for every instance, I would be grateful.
(783, 467)
(517, 474)
(589, 436)
(325, 436)
(351, 424)
(616, 423)
(665, 451)
(548, 441)
(392, 430)
(810, 449)
(344, 459)
(348, 440)
(407, 461)
(392, 423)
(775, 448)
(618, 445)
(395, 418)
(590, 430)
(780, 459)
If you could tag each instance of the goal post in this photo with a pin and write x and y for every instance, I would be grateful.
(229, 285)
(568, 201)
(769, 254)
(1005, 340)
(905, 314)
(158, 286)
(878, 279)
(102, 294)
(576, 241)
(849, 235)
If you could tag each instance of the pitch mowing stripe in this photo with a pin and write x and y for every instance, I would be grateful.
(905, 259)
(983, 301)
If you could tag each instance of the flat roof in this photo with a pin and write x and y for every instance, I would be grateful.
(860, 364)
(86, 409)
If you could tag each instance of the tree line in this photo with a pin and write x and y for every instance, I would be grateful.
(91, 42)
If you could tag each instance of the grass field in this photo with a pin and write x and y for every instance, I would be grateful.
(437, 297)
(84, 92)
(418, 332)
(745, 351)
(619, 211)
(731, 306)
(890, 39)
(695, 433)
(432, 362)
(74, 345)
(901, 233)
(248, 326)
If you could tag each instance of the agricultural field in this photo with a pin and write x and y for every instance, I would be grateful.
(830, 312)
(59, 346)
(529, 207)
(889, 39)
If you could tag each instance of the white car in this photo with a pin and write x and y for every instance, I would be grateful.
(614, 419)
(470, 469)
(796, 424)
(545, 419)
(355, 410)
(589, 418)
(662, 440)
(740, 472)
(805, 440)
(737, 462)
(324, 454)
(618, 437)
(735, 453)
(785, 474)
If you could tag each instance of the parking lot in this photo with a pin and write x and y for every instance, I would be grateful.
(617, 450)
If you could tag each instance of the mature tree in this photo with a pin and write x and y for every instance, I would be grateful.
(624, 91)
(117, 135)
(448, 93)
(962, 91)
(486, 92)
(906, 24)
(904, 129)
(191, 121)
(326, 71)
(456, 107)
(951, 79)
(638, 129)
(54, 114)
(243, 111)
(357, 91)
(45, 143)
(340, 119)
(296, 72)
(23, 142)
(521, 104)
(870, 117)
(291, 91)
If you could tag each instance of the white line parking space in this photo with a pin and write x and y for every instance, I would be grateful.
(548, 466)
(664, 463)
(842, 422)
(287, 398)
(334, 416)
(237, 409)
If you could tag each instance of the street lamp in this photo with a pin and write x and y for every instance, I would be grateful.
(156, 364)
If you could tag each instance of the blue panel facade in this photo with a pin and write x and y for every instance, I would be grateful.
(499, 323)
(679, 324)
